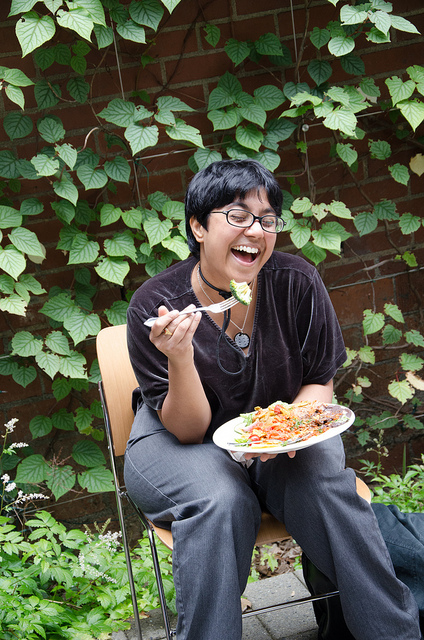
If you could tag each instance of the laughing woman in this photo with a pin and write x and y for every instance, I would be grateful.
(197, 371)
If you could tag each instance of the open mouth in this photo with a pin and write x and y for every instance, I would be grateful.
(245, 253)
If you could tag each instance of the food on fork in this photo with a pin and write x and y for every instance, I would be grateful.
(241, 292)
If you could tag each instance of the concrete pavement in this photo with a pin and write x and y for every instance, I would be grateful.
(292, 623)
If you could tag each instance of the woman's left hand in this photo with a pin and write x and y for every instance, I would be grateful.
(267, 456)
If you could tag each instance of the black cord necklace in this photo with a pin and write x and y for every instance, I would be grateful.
(223, 336)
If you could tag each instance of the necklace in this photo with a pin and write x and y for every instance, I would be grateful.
(241, 338)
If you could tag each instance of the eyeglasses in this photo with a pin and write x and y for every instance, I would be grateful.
(245, 219)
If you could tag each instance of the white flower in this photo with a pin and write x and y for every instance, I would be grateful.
(11, 425)
(5, 478)
(10, 486)
(18, 445)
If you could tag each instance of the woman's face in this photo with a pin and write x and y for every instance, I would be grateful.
(228, 252)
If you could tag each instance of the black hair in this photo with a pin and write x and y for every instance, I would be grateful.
(220, 184)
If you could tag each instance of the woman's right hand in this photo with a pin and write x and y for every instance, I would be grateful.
(173, 334)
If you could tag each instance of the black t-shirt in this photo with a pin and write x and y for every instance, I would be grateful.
(296, 339)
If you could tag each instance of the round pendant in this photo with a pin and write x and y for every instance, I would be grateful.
(242, 340)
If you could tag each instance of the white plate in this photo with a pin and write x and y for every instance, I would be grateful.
(225, 435)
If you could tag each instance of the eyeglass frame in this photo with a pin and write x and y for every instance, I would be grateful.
(258, 218)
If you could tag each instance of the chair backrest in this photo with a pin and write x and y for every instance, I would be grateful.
(118, 381)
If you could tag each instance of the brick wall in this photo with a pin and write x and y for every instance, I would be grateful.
(189, 68)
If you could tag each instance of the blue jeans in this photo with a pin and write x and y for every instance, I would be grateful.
(213, 505)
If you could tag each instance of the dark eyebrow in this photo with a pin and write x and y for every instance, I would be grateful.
(242, 205)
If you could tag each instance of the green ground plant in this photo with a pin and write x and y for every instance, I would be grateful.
(149, 233)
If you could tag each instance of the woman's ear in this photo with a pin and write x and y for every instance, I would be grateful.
(197, 229)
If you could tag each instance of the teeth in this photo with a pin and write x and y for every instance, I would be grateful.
(246, 249)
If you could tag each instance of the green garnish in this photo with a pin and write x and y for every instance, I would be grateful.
(241, 291)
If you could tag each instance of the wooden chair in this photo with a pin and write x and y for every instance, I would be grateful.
(115, 388)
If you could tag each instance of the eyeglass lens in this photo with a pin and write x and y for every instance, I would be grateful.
(240, 218)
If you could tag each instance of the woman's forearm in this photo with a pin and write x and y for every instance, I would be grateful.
(310, 392)
(186, 411)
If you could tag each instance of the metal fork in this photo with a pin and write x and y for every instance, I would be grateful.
(217, 307)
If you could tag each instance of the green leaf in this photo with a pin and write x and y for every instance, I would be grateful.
(73, 366)
(411, 362)
(205, 157)
(341, 46)
(46, 94)
(66, 189)
(58, 343)
(352, 64)
(340, 210)
(320, 71)
(382, 21)
(380, 149)
(33, 30)
(32, 470)
(401, 390)
(95, 9)
(401, 24)
(26, 241)
(314, 253)
(20, 6)
(372, 322)
(365, 222)
(213, 34)
(269, 97)
(177, 245)
(61, 388)
(249, 136)
(17, 125)
(342, 119)
(400, 173)
(91, 178)
(146, 12)
(14, 304)
(300, 235)
(25, 344)
(156, 229)
(386, 210)
(118, 169)
(394, 312)
(269, 159)
(268, 44)
(67, 153)
(122, 244)
(347, 153)
(183, 131)
(51, 128)
(366, 354)
(301, 205)
(352, 15)
(319, 37)
(9, 167)
(81, 325)
(222, 119)
(24, 375)
(237, 51)
(58, 307)
(9, 217)
(141, 137)
(412, 111)
(109, 214)
(44, 58)
(48, 362)
(104, 35)
(326, 238)
(12, 261)
(40, 426)
(117, 314)
(15, 94)
(391, 335)
(253, 113)
(44, 165)
(83, 250)
(88, 454)
(414, 337)
(113, 270)
(132, 31)
(377, 36)
(120, 112)
(96, 480)
(409, 223)
(60, 480)
(77, 20)
(400, 90)
(78, 89)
